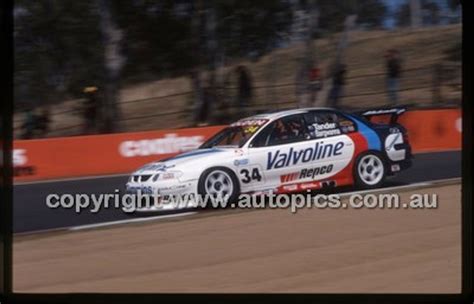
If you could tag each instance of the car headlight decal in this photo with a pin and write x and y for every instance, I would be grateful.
(171, 175)
(167, 175)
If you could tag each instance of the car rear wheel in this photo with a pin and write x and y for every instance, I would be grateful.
(218, 183)
(369, 171)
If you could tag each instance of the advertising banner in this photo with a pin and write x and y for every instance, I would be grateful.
(41, 159)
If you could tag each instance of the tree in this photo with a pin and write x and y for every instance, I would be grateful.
(308, 60)
(402, 15)
(415, 13)
(453, 4)
(371, 13)
(63, 46)
(57, 50)
(113, 62)
(454, 11)
(60, 44)
(158, 36)
(334, 12)
(432, 13)
(251, 27)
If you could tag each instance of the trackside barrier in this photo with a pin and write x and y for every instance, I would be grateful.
(431, 130)
(41, 159)
(51, 158)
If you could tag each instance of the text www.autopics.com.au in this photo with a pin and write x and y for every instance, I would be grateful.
(130, 203)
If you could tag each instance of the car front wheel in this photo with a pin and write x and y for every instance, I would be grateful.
(218, 183)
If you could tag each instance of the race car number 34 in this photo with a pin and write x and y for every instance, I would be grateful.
(248, 175)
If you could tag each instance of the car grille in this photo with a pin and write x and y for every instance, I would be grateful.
(145, 177)
(141, 178)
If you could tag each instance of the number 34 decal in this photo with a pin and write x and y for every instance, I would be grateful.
(248, 175)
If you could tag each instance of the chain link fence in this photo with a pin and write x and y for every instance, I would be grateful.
(435, 85)
(427, 80)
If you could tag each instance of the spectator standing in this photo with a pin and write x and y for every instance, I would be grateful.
(207, 102)
(393, 67)
(338, 82)
(315, 84)
(29, 124)
(91, 106)
(43, 122)
(245, 88)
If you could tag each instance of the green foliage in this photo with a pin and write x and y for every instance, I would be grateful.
(453, 4)
(156, 36)
(432, 10)
(159, 34)
(334, 12)
(371, 12)
(57, 49)
(431, 14)
(247, 27)
(402, 15)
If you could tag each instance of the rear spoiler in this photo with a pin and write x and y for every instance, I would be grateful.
(393, 112)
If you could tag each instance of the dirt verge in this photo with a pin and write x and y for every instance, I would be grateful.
(315, 250)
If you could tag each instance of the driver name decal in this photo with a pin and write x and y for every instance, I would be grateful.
(326, 129)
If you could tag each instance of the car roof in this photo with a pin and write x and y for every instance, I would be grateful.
(282, 113)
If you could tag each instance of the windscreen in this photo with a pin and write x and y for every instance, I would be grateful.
(235, 135)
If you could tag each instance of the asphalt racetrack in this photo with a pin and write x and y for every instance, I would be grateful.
(32, 215)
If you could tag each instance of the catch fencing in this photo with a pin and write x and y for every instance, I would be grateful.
(428, 85)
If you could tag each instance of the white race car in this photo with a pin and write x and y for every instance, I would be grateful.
(286, 151)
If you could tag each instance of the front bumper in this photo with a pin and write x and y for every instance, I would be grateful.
(163, 195)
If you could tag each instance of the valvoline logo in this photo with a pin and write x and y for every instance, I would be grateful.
(292, 157)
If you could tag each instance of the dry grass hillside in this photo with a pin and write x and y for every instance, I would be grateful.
(166, 103)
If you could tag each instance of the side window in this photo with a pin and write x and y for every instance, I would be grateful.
(282, 131)
(261, 140)
(327, 123)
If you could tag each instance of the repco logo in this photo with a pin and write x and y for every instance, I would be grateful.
(170, 144)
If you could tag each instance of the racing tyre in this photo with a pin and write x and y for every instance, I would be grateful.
(218, 183)
(369, 170)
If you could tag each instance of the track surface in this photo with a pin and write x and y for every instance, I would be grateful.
(31, 213)
(264, 251)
